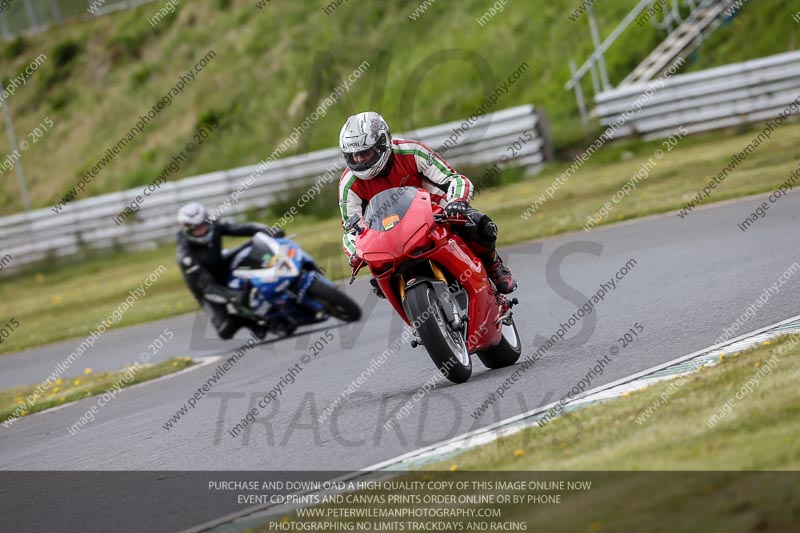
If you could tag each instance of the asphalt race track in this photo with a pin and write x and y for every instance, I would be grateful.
(693, 277)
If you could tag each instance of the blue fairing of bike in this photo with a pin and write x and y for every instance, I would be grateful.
(287, 296)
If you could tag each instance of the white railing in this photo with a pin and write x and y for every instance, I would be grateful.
(752, 91)
(88, 223)
(704, 17)
(30, 17)
(687, 37)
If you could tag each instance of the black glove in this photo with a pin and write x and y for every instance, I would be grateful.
(276, 233)
(376, 288)
(355, 261)
(457, 209)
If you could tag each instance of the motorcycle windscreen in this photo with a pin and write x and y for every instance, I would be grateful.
(387, 208)
(261, 254)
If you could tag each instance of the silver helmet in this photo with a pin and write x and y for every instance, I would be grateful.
(194, 223)
(366, 144)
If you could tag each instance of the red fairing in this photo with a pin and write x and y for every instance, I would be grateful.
(453, 256)
(417, 237)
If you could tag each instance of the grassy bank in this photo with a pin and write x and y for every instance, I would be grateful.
(71, 389)
(272, 67)
(67, 300)
(758, 432)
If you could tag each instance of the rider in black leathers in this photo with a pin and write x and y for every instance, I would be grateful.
(206, 271)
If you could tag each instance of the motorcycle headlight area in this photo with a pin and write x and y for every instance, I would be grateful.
(420, 243)
(380, 262)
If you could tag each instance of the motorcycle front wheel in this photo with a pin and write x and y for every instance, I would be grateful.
(335, 302)
(445, 345)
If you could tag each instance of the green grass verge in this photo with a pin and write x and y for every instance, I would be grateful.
(273, 66)
(759, 433)
(71, 389)
(67, 299)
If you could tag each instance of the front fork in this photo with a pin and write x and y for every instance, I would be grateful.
(447, 304)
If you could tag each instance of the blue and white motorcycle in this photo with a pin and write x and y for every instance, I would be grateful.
(287, 288)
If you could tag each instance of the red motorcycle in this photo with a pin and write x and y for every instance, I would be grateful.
(435, 282)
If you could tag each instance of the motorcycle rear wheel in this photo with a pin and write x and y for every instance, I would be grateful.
(507, 352)
(446, 346)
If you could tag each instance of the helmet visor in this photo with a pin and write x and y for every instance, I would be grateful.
(363, 160)
(199, 230)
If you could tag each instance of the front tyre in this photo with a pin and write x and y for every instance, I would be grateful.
(446, 346)
(507, 352)
(335, 302)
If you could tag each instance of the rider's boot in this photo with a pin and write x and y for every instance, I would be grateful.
(500, 275)
(260, 332)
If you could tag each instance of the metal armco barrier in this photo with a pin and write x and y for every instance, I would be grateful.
(87, 223)
(715, 98)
